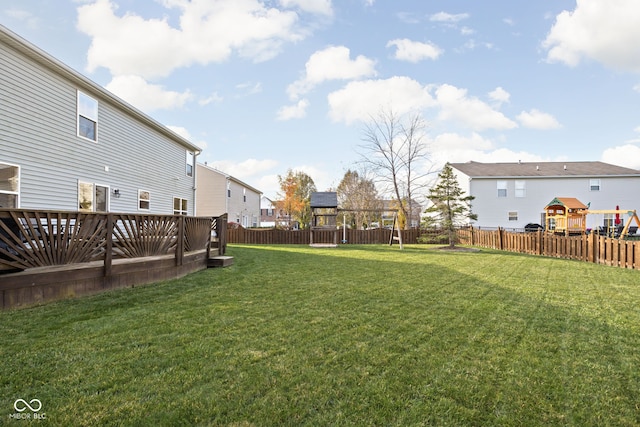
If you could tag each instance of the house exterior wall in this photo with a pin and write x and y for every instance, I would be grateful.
(493, 211)
(211, 192)
(38, 133)
(219, 193)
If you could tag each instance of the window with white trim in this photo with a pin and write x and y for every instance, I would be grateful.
(144, 200)
(9, 186)
(502, 188)
(228, 189)
(180, 206)
(594, 184)
(513, 216)
(520, 189)
(190, 158)
(87, 117)
(93, 197)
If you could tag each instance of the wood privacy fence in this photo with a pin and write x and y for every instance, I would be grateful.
(303, 237)
(592, 247)
(46, 255)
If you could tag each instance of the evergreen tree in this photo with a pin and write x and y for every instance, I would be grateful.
(450, 207)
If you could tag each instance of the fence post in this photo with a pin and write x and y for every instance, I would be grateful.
(539, 242)
(500, 244)
(108, 254)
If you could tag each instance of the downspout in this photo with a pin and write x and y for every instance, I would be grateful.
(195, 173)
(226, 194)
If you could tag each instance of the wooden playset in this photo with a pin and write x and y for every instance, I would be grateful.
(568, 216)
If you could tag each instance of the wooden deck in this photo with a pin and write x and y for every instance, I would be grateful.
(46, 255)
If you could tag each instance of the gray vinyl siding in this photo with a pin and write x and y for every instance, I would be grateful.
(38, 132)
(493, 211)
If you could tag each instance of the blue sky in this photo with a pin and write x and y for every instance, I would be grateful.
(264, 86)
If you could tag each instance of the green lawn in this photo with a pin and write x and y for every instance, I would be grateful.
(358, 335)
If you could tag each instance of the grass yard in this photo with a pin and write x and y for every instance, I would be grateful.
(358, 335)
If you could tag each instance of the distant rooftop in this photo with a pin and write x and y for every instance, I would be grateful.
(542, 169)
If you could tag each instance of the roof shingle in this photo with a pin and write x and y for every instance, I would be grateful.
(542, 169)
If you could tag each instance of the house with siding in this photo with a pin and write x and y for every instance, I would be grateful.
(66, 143)
(218, 193)
(511, 195)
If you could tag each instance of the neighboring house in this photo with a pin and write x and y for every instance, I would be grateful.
(512, 195)
(272, 216)
(389, 213)
(267, 212)
(66, 143)
(218, 193)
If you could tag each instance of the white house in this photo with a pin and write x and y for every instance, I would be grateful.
(66, 143)
(512, 195)
(218, 193)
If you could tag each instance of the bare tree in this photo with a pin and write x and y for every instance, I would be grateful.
(394, 147)
(358, 194)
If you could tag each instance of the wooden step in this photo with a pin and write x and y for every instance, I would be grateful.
(220, 261)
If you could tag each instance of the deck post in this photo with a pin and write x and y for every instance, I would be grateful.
(180, 242)
(108, 255)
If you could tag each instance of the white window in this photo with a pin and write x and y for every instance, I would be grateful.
(502, 188)
(144, 200)
(190, 158)
(87, 117)
(520, 189)
(228, 189)
(594, 184)
(513, 216)
(180, 206)
(9, 186)
(93, 197)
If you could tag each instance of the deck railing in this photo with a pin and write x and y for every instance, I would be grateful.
(39, 238)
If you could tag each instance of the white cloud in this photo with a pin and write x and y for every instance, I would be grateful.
(246, 169)
(456, 148)
(455, 141)
(209, 31)
(627, 155)
(360, 100)
(145, 96)
(332, 63)
(296, 111)
(536, 119)
(183, 132)
(448, 17)
(321, 7)
(499, 96)
(470, 111)
(249, 88)
(214, 98)
(27, 17)
(412, 51)
(604, 31)
(466, 31)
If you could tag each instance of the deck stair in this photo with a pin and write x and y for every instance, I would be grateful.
(219, 261)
